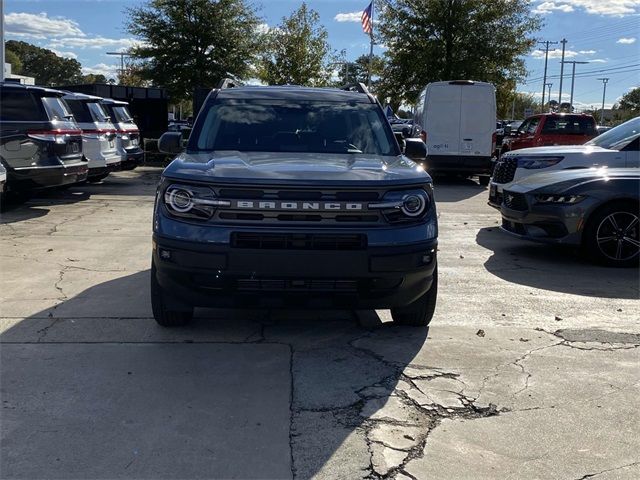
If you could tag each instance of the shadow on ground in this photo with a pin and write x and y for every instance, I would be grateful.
(465, 188)
(93, 388)
(554, 268)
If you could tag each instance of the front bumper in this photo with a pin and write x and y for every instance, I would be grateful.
(46, 176)
(222, 275)
(554, 224)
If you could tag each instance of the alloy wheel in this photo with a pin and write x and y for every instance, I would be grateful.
(618, 236)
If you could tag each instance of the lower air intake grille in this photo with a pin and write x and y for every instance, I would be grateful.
(297, 241)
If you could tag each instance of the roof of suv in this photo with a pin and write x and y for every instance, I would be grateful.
(80, 96)
(21, 86)
(295, 93)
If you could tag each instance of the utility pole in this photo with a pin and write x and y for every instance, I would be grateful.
(573, 79)
(546, 59)
(121, 55)
(2, 40)
(548, 85)
(564, 43)
(604, 93)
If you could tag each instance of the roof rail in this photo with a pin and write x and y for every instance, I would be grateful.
(356, 87)
(228, 83)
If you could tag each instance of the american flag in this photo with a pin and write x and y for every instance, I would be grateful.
(367, 19)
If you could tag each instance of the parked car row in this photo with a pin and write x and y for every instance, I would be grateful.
(580, 195)
(52, 138)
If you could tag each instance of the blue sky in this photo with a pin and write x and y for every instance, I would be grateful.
(605, 33)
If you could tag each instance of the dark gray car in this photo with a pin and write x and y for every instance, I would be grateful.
(595, 209)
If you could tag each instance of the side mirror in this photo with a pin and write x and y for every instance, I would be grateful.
(415, 149)
(170, 142)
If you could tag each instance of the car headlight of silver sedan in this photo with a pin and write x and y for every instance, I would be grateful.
(559, 199)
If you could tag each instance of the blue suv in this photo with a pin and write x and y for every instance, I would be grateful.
(293, 196)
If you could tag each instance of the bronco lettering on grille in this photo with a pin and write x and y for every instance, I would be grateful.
(319, 206)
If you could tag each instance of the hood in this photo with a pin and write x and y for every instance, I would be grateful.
(561, 150)
(559, 180)
(296, 168)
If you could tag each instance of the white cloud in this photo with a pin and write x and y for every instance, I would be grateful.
(626, 41)
(94, 42)
(263, 28)
(618, 8)
(40, 26)
(556, 53)
(349, 17)
(587, 52)
(598, 60)
(549, 7)
(109, 71)
(64, 54)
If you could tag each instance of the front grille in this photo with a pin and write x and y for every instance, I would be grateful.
(514, 227)
(505, 170)
(515, 201)
(295, 241)
(297, 285)
(340, 217)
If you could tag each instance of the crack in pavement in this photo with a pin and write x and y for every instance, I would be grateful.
(591, 475)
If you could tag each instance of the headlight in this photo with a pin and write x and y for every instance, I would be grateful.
(553, 198)
(191, 201)
(403, 206)
(533, 162)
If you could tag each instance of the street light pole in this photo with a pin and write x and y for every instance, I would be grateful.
(573, 79)
(548, 85)
(564, 43)
(544, 81)
(604, 93)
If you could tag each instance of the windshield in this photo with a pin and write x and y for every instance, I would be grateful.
(121, 113)
(56, 108)
(97, 112)
(569, 125)
(619, 137)
(282, 126)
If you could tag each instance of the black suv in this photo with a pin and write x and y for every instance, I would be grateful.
(40, 142)
(292, 196)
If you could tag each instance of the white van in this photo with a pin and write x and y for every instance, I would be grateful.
(98, 134)
(458, 121)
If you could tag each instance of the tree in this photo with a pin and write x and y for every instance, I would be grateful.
(517, 102)
(44, 65)
(132, 76)
(630, 101)
(14, 60)
(187, 44)
(297, 51)
(94, 78)
(357, 71)
(434, 40)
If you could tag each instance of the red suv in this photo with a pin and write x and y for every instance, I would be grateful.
(552, 129)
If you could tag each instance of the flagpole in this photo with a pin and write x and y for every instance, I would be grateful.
(371, 47)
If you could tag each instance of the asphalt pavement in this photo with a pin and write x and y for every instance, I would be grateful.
(530, 369)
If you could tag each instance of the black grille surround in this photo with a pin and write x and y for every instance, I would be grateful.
(505, 169)
(298, 241)
(515, 201)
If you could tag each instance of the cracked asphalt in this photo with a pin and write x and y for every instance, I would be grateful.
(531, 368)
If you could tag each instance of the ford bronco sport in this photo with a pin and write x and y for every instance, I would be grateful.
(293, 196)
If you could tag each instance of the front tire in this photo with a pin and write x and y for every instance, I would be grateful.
(420, 312)
(611, 237)
(484, 180)
(163, 314)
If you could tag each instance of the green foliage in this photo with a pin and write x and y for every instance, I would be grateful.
(93, 78)
(194, 43)
(435, 40)
(357, 71)
(44, 65)
(12, 58)
(297, 51)
(630, 101)
(509, 101)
